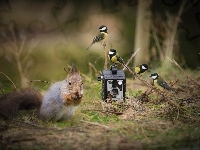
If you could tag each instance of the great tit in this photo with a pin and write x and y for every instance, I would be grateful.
(159, 82)
(141, 69)
(115, 58)
(101, 36)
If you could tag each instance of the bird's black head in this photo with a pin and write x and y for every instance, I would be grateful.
(144, 67)
(103, 28)
(112, 52)
(154, 76)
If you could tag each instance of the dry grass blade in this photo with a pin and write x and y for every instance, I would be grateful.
(176, 64)
(1, 90)
(92, 67)
(182, 110)
(9, 79)
(1, 87)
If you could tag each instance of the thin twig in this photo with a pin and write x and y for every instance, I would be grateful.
(35, 81)
(126, 67)
(105, 57)
(177, 114)
(145, 82)
(175, 63)
(98, 59)
(133, 55)
(9, 79)
(105, 111)
(66, 70)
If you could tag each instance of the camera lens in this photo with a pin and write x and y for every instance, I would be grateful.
(115, 91)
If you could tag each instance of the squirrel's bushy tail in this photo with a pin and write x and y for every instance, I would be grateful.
(23, 99)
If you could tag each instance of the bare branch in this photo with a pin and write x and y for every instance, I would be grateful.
(157, 44)
(133, 55)
(105, 57)
(177, 20)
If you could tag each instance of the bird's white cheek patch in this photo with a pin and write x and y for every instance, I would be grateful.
(104, 28)
(111, 52)
(143, 67)
(154, 77)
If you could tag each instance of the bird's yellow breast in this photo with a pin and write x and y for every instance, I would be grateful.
(137, 69)
(114, 59)
(157, 85)
(104, 36)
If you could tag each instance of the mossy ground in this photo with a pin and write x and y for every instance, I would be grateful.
(152, 121)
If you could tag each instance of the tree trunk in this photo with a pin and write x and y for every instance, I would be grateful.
(142, 35)
(171, 35)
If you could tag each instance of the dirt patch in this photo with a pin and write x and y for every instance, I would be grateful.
(85, 136)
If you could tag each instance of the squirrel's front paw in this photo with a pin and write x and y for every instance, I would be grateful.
(72, 99)
(67, 99)
(76, 96)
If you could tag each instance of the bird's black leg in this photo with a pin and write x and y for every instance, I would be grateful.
(104, 44)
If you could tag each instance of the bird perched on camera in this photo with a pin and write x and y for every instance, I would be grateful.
(141, 69)
(115, 58)
(159, 82)
(101, 36)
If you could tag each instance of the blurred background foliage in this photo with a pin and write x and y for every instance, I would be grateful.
(38, 39)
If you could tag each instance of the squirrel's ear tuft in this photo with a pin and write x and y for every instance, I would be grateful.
(74, 69)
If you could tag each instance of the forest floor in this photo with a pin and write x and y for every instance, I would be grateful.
(148, 119)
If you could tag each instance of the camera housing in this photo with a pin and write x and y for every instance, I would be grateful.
(113, 84)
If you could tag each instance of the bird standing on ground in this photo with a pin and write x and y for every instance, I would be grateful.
(141, 69)
(159, 82)
(101, 36)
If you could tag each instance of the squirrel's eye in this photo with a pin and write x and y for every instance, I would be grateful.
(70, 83)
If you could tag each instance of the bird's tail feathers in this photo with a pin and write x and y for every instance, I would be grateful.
(173, 90)
(170, 89)
(90, 45)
